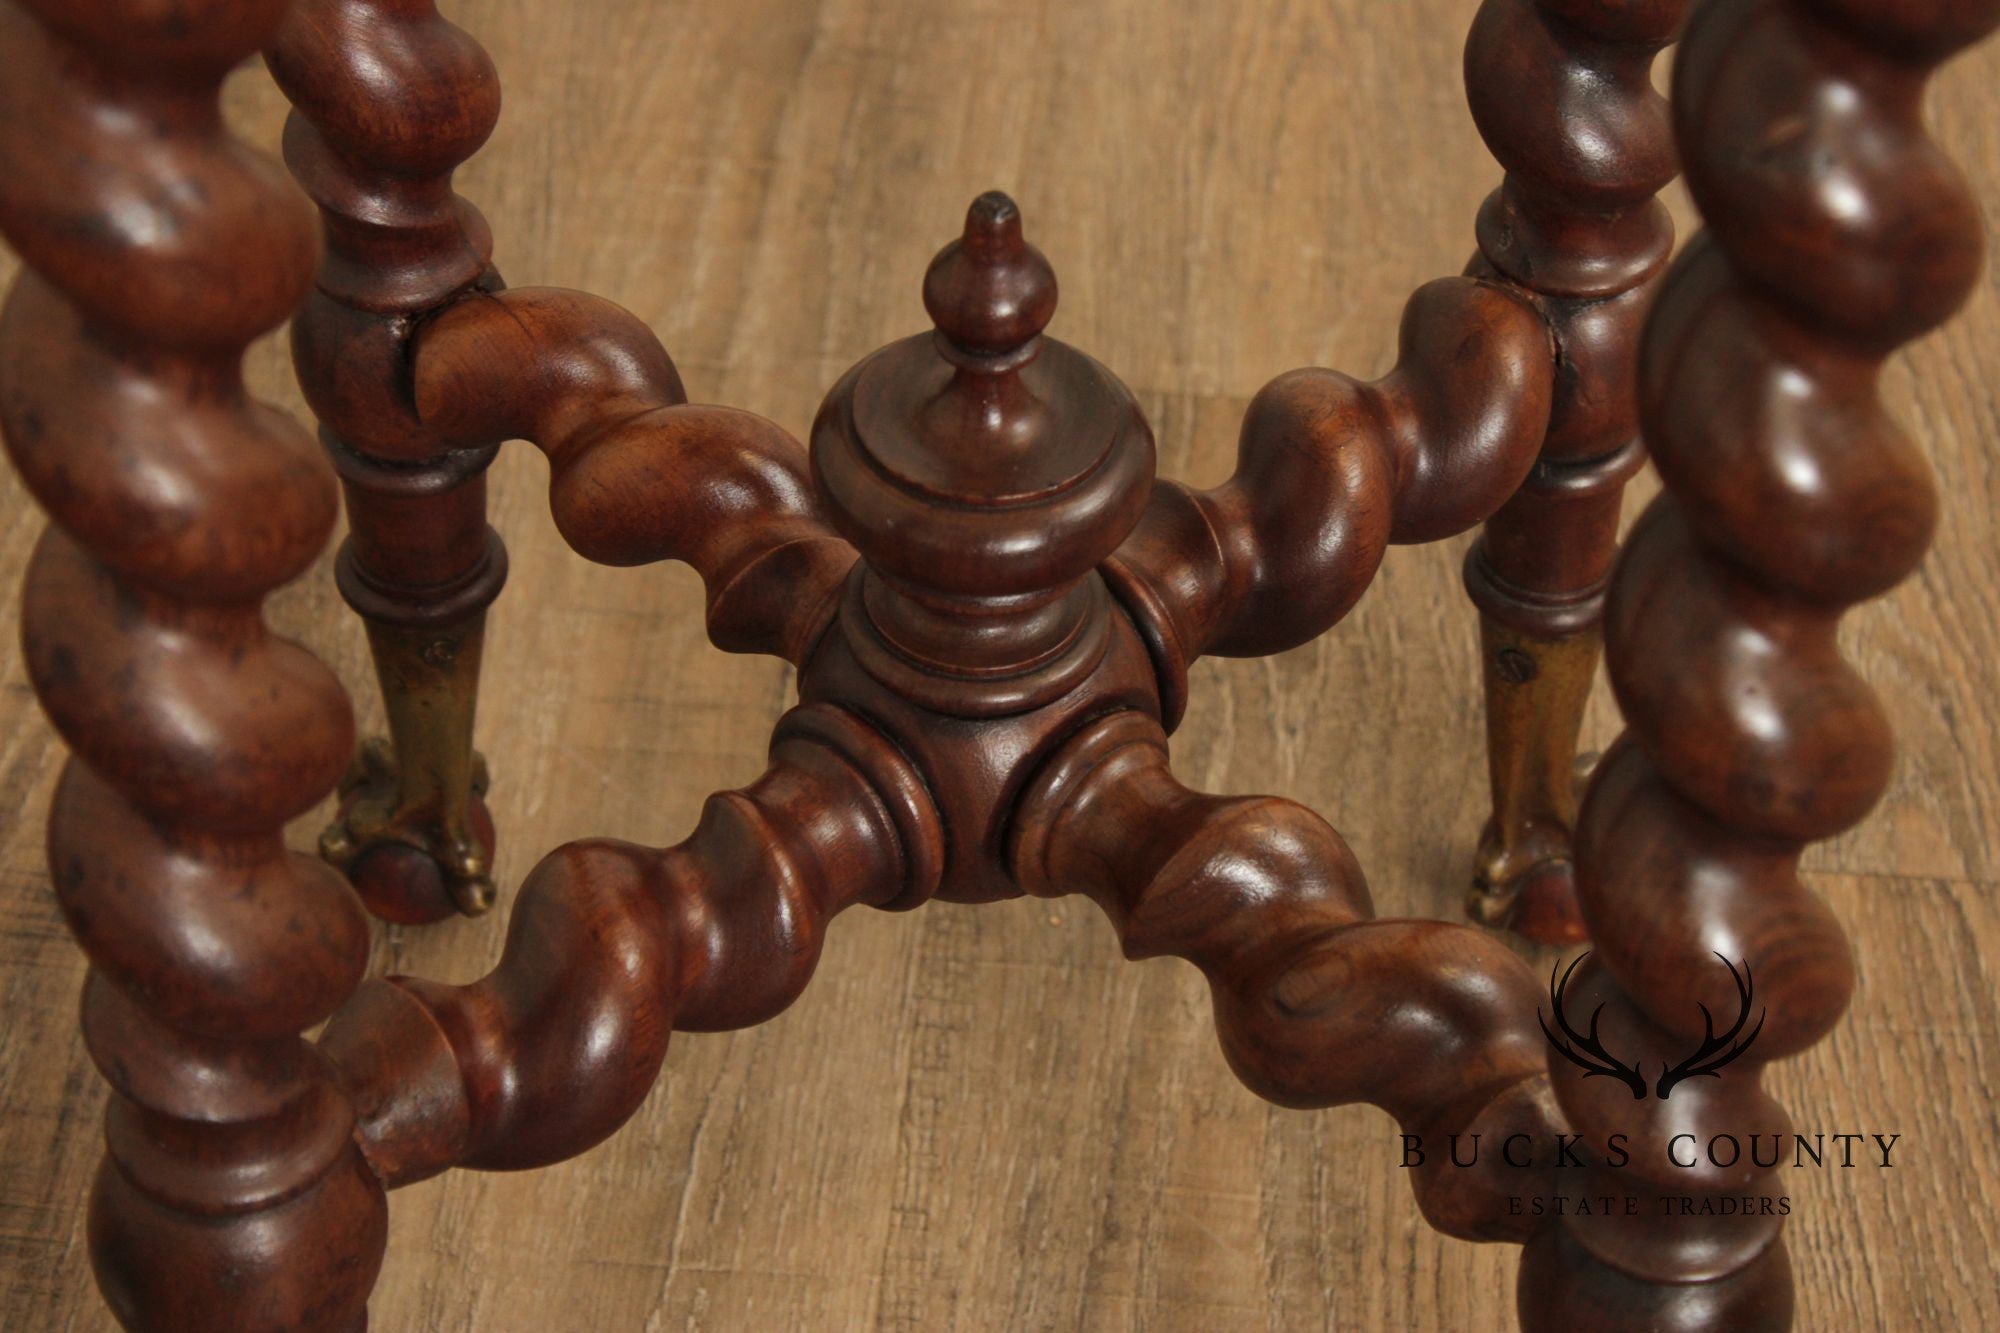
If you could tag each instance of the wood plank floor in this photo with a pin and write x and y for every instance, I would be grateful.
(982, 1118)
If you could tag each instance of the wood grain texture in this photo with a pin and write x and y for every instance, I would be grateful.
(983, 1118)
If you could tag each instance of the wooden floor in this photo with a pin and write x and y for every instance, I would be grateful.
(982, 1118)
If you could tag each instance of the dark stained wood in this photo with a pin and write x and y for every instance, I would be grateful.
(231, 1194)
(390, 98)
(611, 947)
(1330, 472)
(637, 476)
(1790, 496)
(985, 713)
(983, 473)
(1563, 95)
(1317, 1004)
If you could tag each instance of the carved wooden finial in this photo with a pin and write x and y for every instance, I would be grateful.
(982, 471)
(990, 292)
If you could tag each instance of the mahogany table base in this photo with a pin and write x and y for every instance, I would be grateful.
(993, 606)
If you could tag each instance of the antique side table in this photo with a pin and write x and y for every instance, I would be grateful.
(992, 604)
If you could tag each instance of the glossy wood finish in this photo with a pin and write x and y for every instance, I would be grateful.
(1330, 472)
(1317, 1004)
(983, 472)
(636, 475)
(986, 714)
(231, 1194)
(390, 98)
(1790, 496)
(611, 947)
(1562, 93)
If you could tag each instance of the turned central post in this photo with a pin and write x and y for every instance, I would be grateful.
(983, 471)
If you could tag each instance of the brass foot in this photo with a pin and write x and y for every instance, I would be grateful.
(1537, 903)
(1524, 878)
(1526, 883)
(409, 861)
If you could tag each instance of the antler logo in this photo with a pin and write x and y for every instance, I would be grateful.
(1594, 1060)
(1586, 1051)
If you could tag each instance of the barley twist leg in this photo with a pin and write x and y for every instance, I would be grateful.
(1837, 230)
(156, 247)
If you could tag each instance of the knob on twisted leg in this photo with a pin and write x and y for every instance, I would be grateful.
(1316, 1003)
